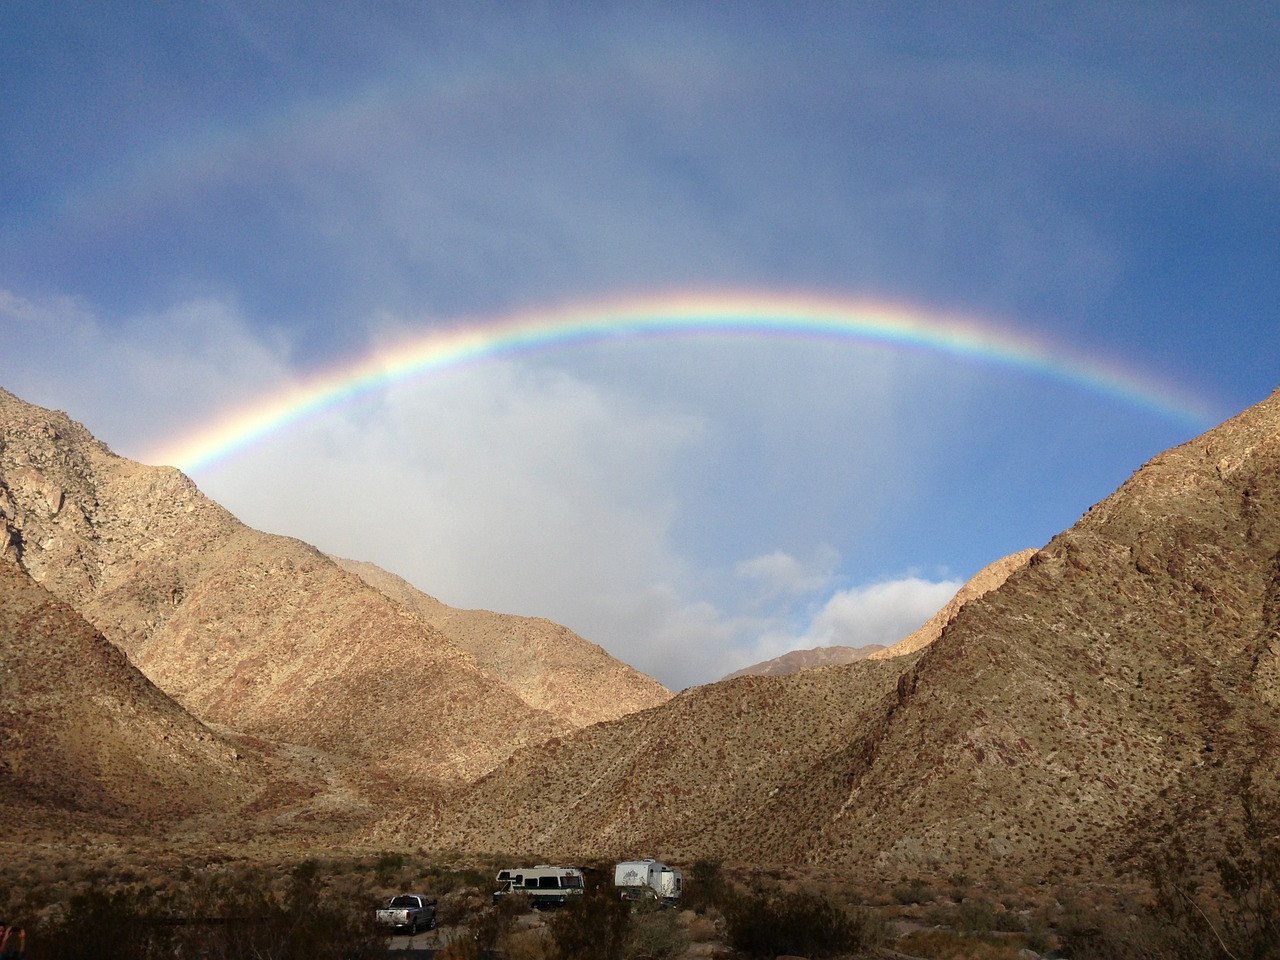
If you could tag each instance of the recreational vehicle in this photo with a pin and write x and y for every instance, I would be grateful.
(648, 879)
(544, 885)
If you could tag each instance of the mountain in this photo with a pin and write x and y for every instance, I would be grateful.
(549, 666)
(84, 731)
(984, 581)
(263, 634)
(1119, 686)
(980, 584)
(793, 661)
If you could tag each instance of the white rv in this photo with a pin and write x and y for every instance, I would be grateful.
(544, 884)
(648, 879)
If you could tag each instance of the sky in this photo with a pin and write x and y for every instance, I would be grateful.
(778, 321)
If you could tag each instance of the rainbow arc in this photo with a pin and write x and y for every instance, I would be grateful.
(719, 314)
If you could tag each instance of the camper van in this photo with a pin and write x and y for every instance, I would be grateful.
(648, 879)
(544, 885)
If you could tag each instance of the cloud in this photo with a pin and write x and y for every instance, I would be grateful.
(878, 613)
(135, 379)
(780, 573)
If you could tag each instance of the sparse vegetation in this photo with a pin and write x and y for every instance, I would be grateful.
(797, 923)
(226, 919)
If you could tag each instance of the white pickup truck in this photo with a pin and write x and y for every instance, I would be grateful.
(408, 911)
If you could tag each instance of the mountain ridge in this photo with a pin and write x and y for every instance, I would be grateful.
(1119, 685)
(260, 633)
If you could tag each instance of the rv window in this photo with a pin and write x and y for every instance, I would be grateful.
(572, 881)
(504, 874)
(549, 883)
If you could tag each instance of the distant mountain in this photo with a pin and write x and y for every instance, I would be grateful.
(793, 661)
(984, 581)
(264, 634)
(549, 666)
(1118, 686)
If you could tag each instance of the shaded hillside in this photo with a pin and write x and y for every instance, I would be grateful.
(261, 633)
(1121, 683)
(548, 665)
(723, 770)
(83, 730)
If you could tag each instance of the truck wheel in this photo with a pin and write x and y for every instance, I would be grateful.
(431, 924)
(413, 927)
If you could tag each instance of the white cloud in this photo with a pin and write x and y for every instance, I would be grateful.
(879, 613)
(780, 573)
(496, 486)
(134, 380)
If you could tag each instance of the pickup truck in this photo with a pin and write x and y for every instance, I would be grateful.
(408, 911)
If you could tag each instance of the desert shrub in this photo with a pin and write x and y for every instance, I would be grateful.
(796, 922)
(492, 924)
(464, 948)
(655, 933)
(1242, 918)
(706, 886)
(915, 892)
(593, 927)
(949, 945)
(233, 919)
(975, 915)
(389, 863)
(1102, 934)
(701, 927)
(528, 944)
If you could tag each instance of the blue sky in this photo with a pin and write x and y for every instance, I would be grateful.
(202, 202)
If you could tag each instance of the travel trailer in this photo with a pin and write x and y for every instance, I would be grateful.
(648, 879)
(544, 885)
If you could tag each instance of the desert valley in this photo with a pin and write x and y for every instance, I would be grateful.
(180, 686)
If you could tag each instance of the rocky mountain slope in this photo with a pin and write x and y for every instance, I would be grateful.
(548, 665)
(1120, 685)
(980, 584)
(984, 581)
(83, 730)
(262, 634)
(794, 661)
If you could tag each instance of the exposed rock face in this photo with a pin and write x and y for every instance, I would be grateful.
(1121, 682)
(260, 633)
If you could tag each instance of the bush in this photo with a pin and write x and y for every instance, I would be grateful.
(655, 933)
(769, 924)
(706, 886)
(232, 919)
(593, 927)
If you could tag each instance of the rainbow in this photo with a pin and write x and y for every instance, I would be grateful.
(738, 314)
